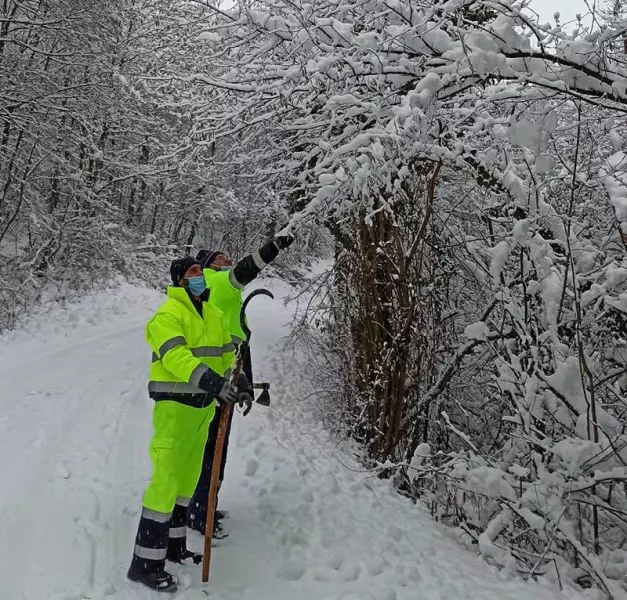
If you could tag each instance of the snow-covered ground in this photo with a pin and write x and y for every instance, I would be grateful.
(306, 523)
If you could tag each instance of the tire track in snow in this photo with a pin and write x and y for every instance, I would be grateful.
(63, 478)
(13, 366)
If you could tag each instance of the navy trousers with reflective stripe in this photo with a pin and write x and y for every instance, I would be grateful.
(178, 533)
(160, 536)
(151, 542)
(197, 514)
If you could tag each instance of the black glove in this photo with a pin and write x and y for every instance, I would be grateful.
(228, 393)
(242, 384)
(245, 394)
(283, 241)
(245, 399)
(240, 392)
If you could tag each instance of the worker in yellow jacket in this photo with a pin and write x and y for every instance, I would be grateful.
(226, 282)
(192, 353)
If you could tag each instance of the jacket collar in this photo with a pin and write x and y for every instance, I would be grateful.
(209, 273)
(180, 294)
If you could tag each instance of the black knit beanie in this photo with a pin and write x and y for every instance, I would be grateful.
(206, 257)
(179, 267)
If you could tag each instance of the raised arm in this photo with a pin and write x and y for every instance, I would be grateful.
(250, 266)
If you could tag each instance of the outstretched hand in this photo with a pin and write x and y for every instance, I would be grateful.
(283, 241)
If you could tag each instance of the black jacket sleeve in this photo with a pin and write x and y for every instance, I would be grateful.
(211, 383)
(250, 266)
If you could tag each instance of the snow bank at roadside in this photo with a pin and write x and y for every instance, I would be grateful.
(100, 311)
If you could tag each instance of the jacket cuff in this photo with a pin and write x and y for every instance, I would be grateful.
(211, 382)
(267, 253)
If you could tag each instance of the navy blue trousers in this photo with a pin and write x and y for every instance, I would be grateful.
(197, 513)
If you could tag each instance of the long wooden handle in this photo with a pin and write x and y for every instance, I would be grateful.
(213, 488)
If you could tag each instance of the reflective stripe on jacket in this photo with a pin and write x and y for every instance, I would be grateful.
(184, 346)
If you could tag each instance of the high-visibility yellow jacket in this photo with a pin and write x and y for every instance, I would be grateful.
(186, 346)
(226, 286)
(226, 294)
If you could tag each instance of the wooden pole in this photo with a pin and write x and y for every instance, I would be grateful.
(225, 413)
(222, 427)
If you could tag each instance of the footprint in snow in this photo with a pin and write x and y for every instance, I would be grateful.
(336, 561)
(109, 590)
(292, 570)
(322, 574)
(396, 533)
(359, 596)
(350, 571)
(62, 471)
(332, 484)
(377, 565)
(413, 573)
(251, 467)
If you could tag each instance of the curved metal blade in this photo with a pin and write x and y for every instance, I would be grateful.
(242, 314)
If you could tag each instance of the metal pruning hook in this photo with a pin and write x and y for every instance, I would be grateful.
(264, 397)
(264, 400)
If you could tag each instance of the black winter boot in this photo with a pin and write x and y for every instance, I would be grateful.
(160, 580)
(151, 542)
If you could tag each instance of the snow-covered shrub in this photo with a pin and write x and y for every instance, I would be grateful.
(462, 156)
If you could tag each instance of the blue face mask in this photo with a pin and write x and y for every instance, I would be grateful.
(225, 268)
(196, 285)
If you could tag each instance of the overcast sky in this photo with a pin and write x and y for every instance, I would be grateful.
(567, 9)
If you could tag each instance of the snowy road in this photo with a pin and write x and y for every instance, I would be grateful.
(305, 522)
